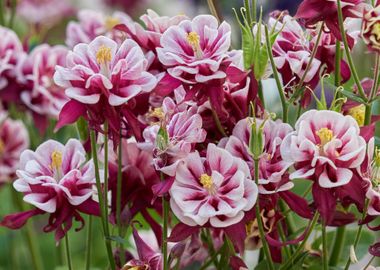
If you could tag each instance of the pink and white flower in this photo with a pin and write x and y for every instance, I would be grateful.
(41, 95)
(272, 167)
(194, 51)
(183, 129)
(215, 190)
(324, 147)
(56, 180)
(92, 24)
(100, 76)
(14, 139)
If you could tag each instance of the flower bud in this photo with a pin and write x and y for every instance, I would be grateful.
(371, 29)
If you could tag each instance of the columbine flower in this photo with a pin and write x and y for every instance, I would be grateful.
(57, 181)
(175, 138)
(11, 52)
(371, 29)
(14, 140)
(216, 190)
(271, 166)
(314, 11)
(324, 147)
(101, 76)
(194, 50)
(92, 24)
(41, 95)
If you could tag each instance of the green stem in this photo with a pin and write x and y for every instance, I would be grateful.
(298, 91)
(261, 94)
(338, 58)
(325, 254)
(254, 10)
(338, 246)
(368, 106)
(118, 196)
(165, 206)
(105, 193)
(283, 239)
(300, 248)
(369, 263)
(358, 234)
(260, 222)
(101, 201)
(247, 7)
(68, 254)
(88, 240)
(280, 89)
(13, 13)
(217, 121)
(29, 235)
(348, 54)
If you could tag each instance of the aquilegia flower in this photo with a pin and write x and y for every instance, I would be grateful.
(325, 147)
(371, 29)
(271, 166)
(216, 190)
(40, 94)
(56, 180)
(194, 51)
(14, 139)
(100, 76)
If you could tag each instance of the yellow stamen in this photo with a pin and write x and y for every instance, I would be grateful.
(56, 160)
(157, 113)
(325, 135)
(2, 147)
(103, 55)
(111, 22)
(376, 30)
(193, 40)
(358, 113)
(206, 181)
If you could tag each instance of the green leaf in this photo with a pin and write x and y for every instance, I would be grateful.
(118, 239)
(352, 96)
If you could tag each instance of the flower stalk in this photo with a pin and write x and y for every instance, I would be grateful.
(68, 252)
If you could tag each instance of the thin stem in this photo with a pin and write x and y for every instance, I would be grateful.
(300, 248)
(283, 239)
(358, 234)
(369, 263)
(368, 107)
(165, 206)
(298, 91)
(105, 193)
(260, 222)
(118, 195)
(347, 50)
(325, 254)
(280, 89)
(247, 7)
(89, 244)
(217, 121)
(101, 201)
(338, 246)
(254, 10)
(214, 10)
(338, 58)
(68, 254)
(13, 13)
(29, 236)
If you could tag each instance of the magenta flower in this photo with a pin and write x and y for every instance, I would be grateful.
(194, 51)
(370, 29)
(56, 180)
(215, 190)
(271, 165)
(93, 24)
(184, 130)
(14, 139)
(101, 76)
(314, 11)
(325, 147)
(44, 13)
(41, 95)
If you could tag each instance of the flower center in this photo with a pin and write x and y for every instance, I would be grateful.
(56, 160)
(358, 113)
(207, 182)
(375, 177)
(193, 40)
(376, 30)
(157, 113)
(103, 55)
(325, 135)
(2, 147)
(111, 22)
